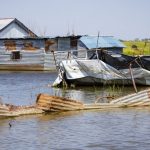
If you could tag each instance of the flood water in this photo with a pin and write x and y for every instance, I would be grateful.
(114, 129)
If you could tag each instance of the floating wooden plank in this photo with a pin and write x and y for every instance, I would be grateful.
(50, 103)
(12, 111)
(136, 97)
(60, 99)
(3, 109)
(54, 103)
(103, 106)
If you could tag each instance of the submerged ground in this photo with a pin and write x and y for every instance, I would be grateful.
(96, 130)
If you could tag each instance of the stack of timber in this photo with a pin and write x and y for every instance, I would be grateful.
(48, 103)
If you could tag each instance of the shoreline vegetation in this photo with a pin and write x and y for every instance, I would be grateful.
(139, 47)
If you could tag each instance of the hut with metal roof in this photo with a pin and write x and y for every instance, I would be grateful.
(13, 28)
(88, 44)
(21, 49)
(84, 46)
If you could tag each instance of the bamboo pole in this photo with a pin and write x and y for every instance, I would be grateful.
(132, 77)
(97, 47)
(54, 58)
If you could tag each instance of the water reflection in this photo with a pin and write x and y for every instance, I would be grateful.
(86, 130)
(22, 88)
(90, 94)
(96, 129)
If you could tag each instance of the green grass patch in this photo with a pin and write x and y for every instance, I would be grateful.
(134, 48)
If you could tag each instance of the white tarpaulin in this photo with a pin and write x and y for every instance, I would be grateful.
(97, 72)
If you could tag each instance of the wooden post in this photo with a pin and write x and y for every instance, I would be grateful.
(54, 58)
(97, 47)
(132, 77)
(68, 55)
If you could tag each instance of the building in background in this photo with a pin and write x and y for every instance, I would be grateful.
(22, 49)
(84, 46)
(13, 28)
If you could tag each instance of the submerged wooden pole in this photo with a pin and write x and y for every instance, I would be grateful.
(54, 58)
(132, 77)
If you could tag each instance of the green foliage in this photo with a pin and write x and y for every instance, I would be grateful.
(143, 48)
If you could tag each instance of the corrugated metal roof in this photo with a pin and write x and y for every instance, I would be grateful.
(5, 21)
(103, 42)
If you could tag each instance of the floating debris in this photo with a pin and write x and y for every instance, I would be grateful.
(12, 111)
(54, 103)
(48, 103)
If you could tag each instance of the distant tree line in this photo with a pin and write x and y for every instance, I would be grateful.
(136, 40)
(145, 39)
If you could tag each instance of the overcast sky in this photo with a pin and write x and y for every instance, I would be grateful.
(124, 19)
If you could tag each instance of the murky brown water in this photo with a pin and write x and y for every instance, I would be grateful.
(97, 130)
